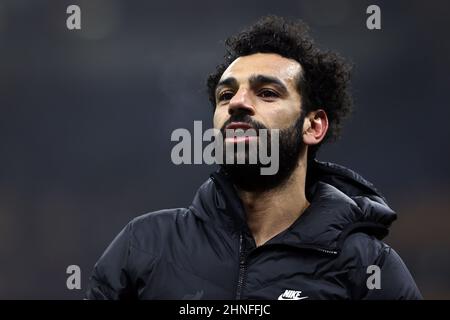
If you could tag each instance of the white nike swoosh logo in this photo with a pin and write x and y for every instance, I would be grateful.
(282, 298)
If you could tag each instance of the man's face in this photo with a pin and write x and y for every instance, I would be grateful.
(262, 85)
(259, 91)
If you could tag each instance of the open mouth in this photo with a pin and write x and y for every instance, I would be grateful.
(239, 132)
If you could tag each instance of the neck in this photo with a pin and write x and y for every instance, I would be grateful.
(273, 211)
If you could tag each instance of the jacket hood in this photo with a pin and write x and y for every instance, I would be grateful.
(341, 202)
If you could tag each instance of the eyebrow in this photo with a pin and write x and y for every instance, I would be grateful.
(255, 81)
(227, 82)
(260, 80)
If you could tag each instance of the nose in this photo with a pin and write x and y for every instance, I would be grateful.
(241, 102)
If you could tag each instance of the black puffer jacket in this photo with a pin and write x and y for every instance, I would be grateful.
(206, 251)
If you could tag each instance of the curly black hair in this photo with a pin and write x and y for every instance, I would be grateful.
(324, 83)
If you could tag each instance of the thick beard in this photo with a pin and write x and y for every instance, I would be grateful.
(248, 177)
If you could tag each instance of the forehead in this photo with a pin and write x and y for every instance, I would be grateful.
(269, 64)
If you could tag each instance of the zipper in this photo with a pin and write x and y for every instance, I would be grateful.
(305, 247)
(333, 252)
(242, 268)
(243, 262)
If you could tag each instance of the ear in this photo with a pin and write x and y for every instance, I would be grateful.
(315, 127)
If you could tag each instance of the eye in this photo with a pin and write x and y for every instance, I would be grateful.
(225, 95)
(268, 93)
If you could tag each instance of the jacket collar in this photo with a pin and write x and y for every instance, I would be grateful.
(341, 202)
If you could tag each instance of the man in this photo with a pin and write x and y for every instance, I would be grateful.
(313, 230)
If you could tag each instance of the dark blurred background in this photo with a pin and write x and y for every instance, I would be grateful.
(86, 118)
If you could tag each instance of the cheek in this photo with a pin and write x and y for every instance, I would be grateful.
(282, 118)
(219, 118)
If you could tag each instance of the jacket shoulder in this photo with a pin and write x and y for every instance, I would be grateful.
(375, 270)
(150, 229)
(132, 252)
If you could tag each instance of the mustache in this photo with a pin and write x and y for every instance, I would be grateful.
(245, 118)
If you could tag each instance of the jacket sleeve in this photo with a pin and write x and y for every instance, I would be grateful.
(110, 279)
(396, 281)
